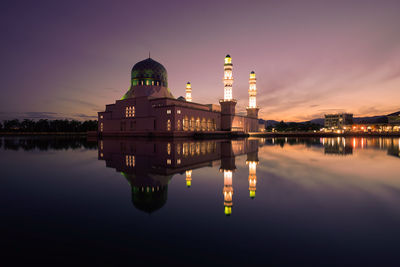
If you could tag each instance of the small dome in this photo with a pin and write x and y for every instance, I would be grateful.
(228, 55)
(252, 72)
(149, 69)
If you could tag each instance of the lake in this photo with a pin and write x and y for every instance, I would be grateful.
(274, 201)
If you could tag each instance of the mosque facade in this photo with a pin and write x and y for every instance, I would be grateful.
(149, 108)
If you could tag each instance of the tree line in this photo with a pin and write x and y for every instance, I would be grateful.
(44, 125)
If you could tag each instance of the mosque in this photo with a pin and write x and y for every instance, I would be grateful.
(150, 109)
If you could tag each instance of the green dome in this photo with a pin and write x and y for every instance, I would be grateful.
(150, 72)
(149, 201)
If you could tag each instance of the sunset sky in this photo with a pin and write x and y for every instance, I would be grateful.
(68, 59)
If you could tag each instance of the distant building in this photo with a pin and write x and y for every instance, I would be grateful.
(149, 108)
(394, 118)
(338, 121)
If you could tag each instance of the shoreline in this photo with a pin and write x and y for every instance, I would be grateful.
(200, 135)
(319, 134)
(43, 133)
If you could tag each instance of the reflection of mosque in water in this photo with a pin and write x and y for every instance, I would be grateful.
(340, 145)
(149, 165)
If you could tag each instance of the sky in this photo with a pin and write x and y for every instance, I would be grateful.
(68, 59)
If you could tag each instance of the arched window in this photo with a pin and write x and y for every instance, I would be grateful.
(178, 126)
(192, 124)
(198, 124)
(168, 125)
(185, 123)
(203, 124)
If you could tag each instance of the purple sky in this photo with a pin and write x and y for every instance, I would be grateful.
(68, 59)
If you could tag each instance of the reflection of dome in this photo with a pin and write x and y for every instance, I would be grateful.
(148, 201)
(149, 191)
(151, 70)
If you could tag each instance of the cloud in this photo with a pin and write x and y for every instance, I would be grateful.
(81, 103)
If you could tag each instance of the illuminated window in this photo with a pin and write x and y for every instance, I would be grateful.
(101, 127)
(178, 161)
(169, 148)
(169, 161)
(101, 155)
(228, 93)
(168, 111)
(178, 111)
(179, 125)
(130, 112)
(168, 125)
(101, 117)
(152, 82)
(130, 160)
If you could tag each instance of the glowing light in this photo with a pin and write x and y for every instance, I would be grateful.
(228, 59)
(252, 90)
(130, 112)
(228, 79)
(228, 210)
(188, 92)
(189, 178)
(228, 190)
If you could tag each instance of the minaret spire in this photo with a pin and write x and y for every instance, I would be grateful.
(252, 90)
(188, 92)
(228, 78)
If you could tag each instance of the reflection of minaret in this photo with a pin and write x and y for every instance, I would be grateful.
(227, 167)
(252, 161)
(189, 178)
(228, 191)
(188, 92)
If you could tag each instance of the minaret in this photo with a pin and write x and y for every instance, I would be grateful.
(252, 90)
(228, 103)
(252, 161)
(189, 178)
(252, 109)
(228, 78)
(188, 92)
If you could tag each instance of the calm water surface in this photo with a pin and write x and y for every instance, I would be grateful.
(278, 202)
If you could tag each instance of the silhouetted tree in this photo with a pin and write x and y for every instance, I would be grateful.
(11, 125)
(49, 126)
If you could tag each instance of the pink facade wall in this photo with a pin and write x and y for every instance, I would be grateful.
(167, 115)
